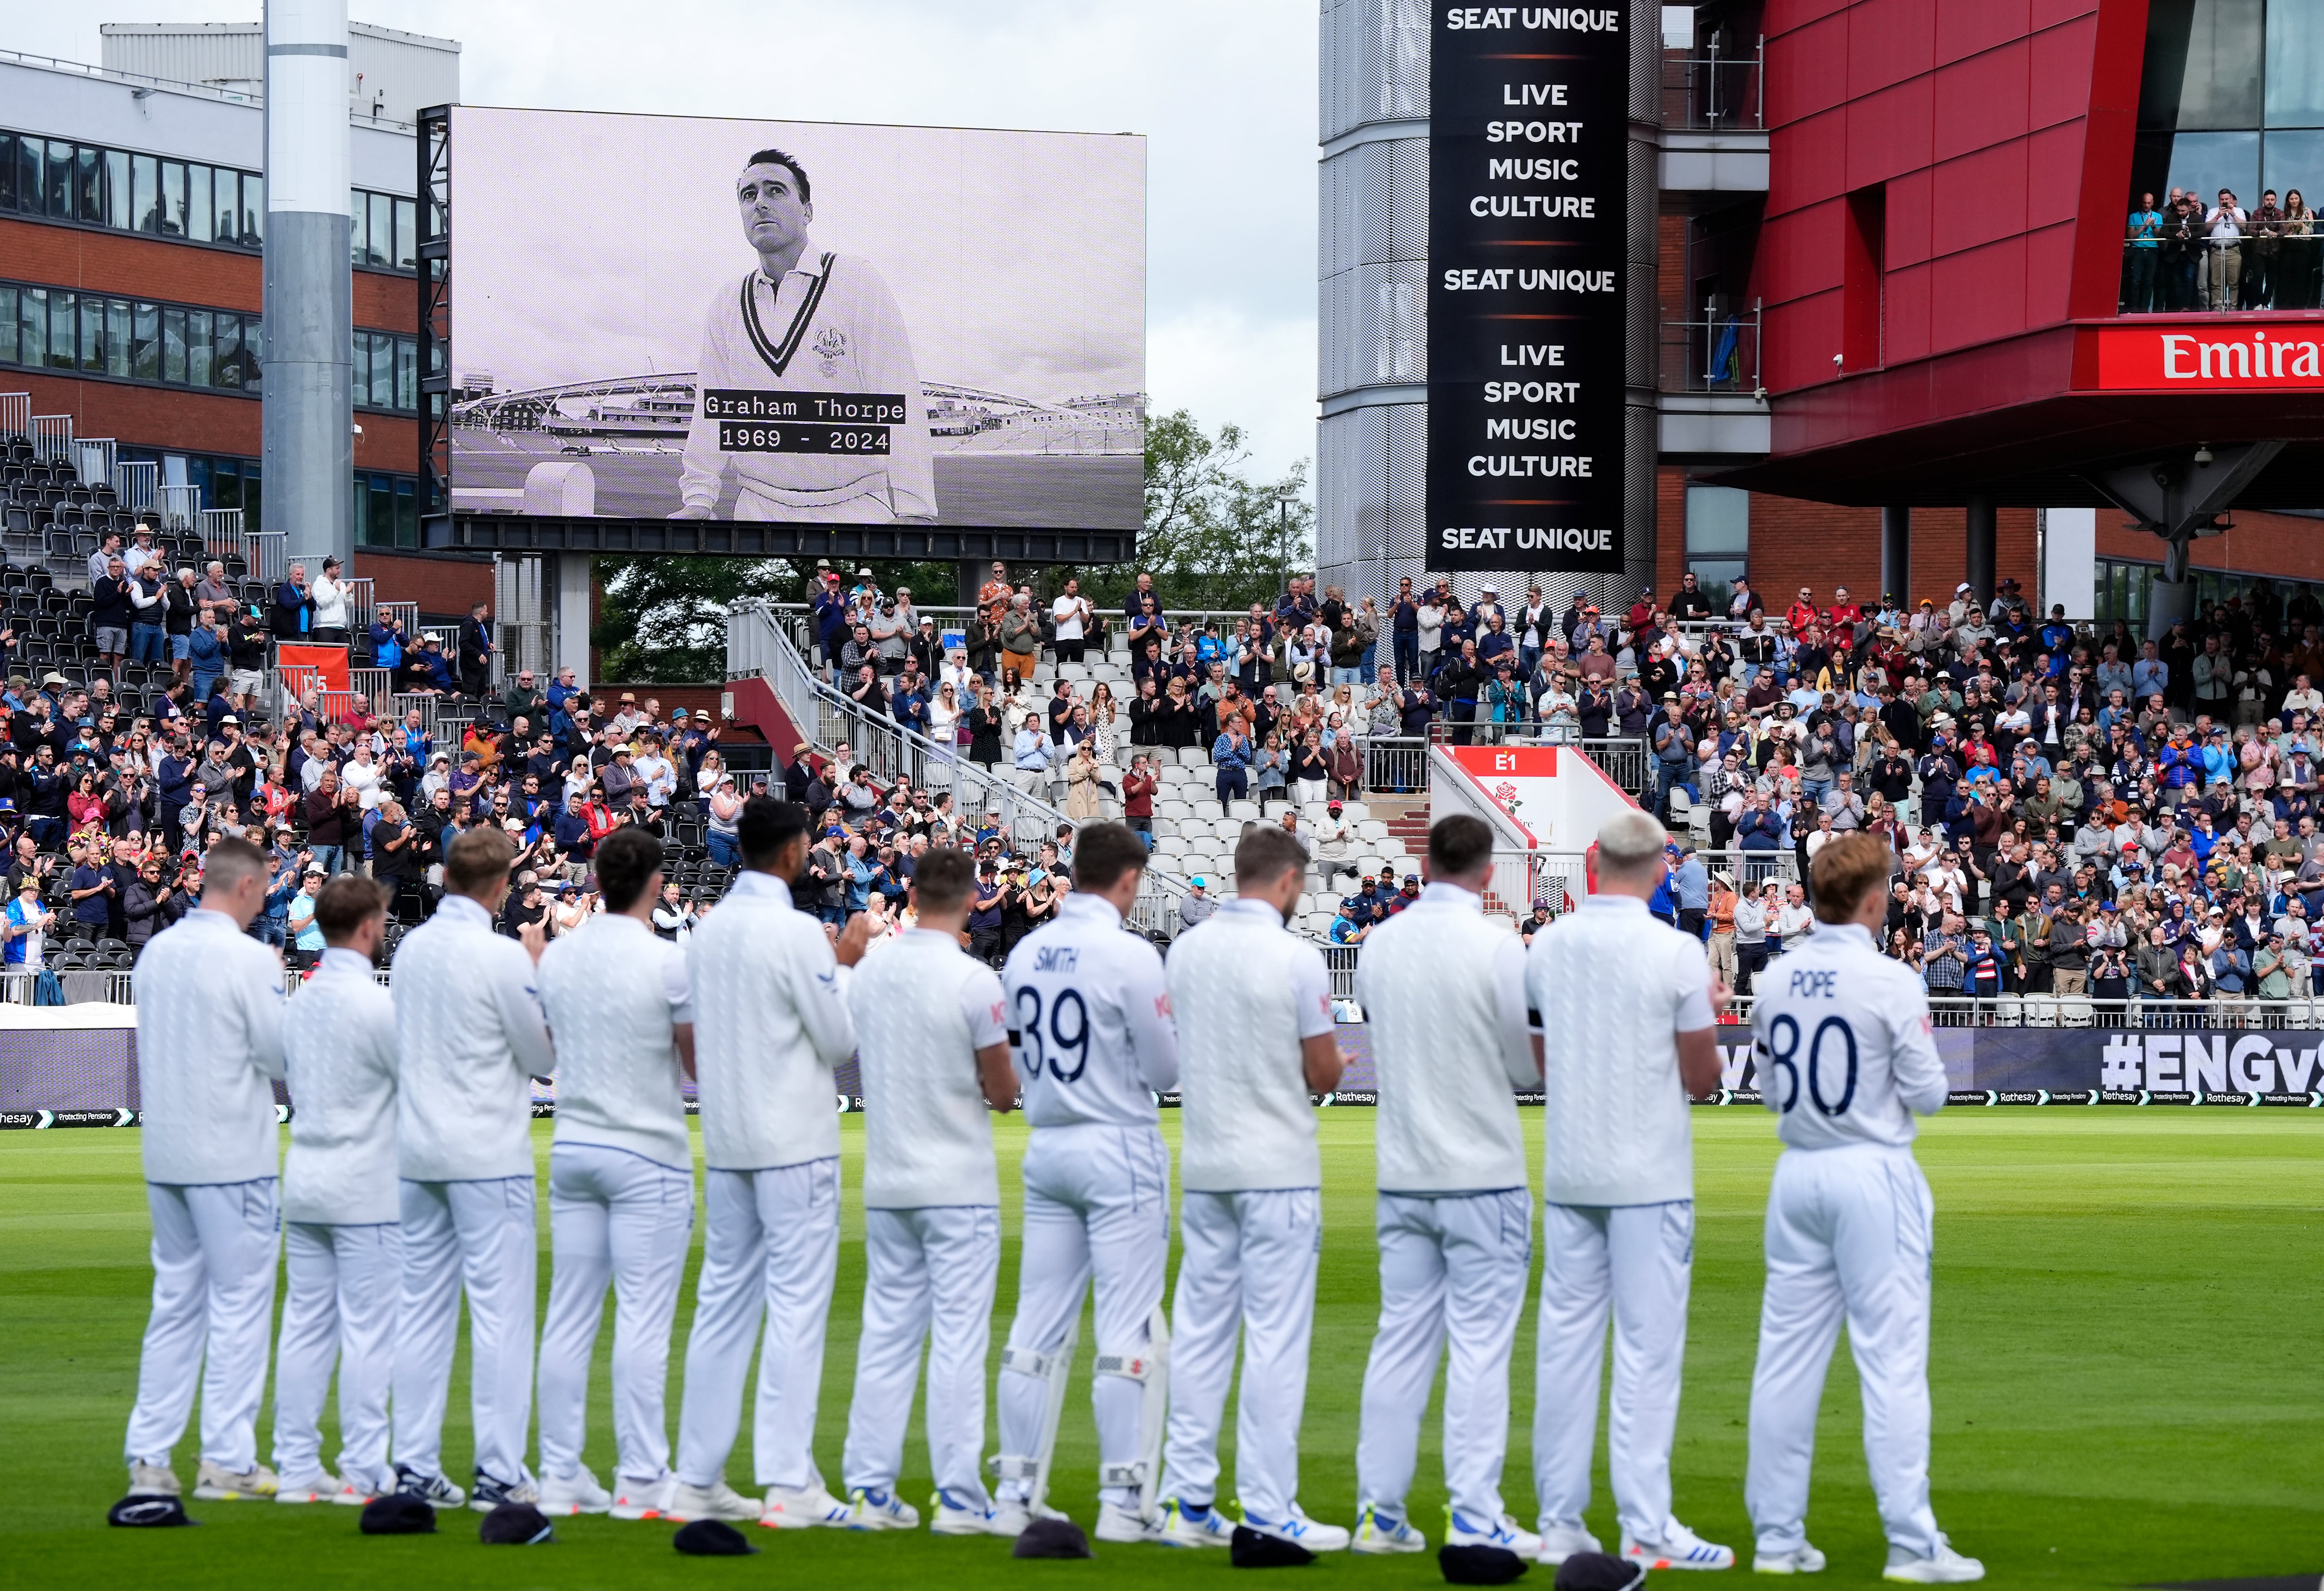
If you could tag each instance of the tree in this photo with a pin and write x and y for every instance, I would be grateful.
(663, 618)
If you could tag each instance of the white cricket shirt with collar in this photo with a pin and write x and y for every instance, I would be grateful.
(1443, 996)
(923, 1007)
(1089, 1018)
(338, 1055)
(209, 1044)
(613, 990)
(1842, 1043)
(1245, 993)
(469, 1039)
(1613, 988)
(771, 1022)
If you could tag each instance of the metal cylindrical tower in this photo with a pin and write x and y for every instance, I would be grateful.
(307, 415)
(1372, 442)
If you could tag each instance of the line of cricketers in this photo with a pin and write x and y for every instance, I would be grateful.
(409, 1180)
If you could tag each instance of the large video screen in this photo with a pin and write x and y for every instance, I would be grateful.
(802, 322)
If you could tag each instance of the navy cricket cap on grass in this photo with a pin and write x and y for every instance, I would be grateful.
(397, 1515)
(1599, 1571)
(711, 1538)
(515, 1524)
(1052, 1538)
(1256, 1549)
(147, 1511)
(1478, 1566)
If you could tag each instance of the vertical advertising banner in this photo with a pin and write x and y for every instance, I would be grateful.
(1528, 183)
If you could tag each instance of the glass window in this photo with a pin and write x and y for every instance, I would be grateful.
(92, 335)
(116, 337)
(383, 370)
(145, 343)
(199, 211)
(173, 344)
(2202, 164)
(407, 374)
(359, 366)
(173, 199)
(407, 236)
(226, 357)
(59, 186)
(407, 513)
(7, 170)
(28, 175)
(144, 193)
(2296, 160)
(2202, 65)
(88, 186)
(116, 189)
(198, 369)
(2295, 47)
(225, 484)
(253, 210)
(63, 340)
(8, 326)
(383, 510)
(359, 221)
(254, 352)
(1718, 537)
(381, 242)
(360, 509)
(33, 326)
(229, 213)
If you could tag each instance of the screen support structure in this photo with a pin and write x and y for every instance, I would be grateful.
(435, 283)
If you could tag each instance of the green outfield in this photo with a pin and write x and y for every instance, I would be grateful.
(2128, 1309)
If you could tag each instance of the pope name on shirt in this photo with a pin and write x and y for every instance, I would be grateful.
(805, 389)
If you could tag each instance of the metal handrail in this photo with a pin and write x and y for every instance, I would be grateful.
(1718, 92)
(2291, 275)
(1717, 354)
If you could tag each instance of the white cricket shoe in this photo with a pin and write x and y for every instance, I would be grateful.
(152, 1480)
(1116, 1523)
(1380, 1532)
(1803, 1560)
(1503, 1532)
(1010, 1517)
(214, 1485)
(1182, 1526)
(490, 1492)
(950, 1517)
(1682, 1549)
(870, 1509)
(356, 1489)
(715, 1501)
(1300, 1531)
(321, 1486)
(1944, 1567)
(577, 1493)
(791, 1508)
(634, 1498)
(1560, 1542)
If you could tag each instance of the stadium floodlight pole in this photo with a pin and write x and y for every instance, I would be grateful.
(307, 414)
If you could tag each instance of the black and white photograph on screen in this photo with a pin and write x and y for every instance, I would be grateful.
(797, 322)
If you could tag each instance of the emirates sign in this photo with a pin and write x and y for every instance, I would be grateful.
(2212, 354)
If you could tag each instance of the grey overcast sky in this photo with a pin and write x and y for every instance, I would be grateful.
(1225, 90)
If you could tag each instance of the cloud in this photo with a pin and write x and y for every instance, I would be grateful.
(1224, 364)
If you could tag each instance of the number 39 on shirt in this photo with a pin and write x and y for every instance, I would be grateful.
(1062, 1040)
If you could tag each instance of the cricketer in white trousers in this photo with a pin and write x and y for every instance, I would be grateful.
(770, 1253)
(478, 1236)
(617, 1218)
(341, 1283)
(1636, 1260)
(1453, 1269)
(1849, 1234)
(214, 1250)
(930, 1274)
(1249, 1263)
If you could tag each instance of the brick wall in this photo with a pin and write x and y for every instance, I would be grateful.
(187, 273)
(444, 588)
(2261, 543)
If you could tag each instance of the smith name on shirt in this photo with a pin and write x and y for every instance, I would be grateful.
(1057, 958)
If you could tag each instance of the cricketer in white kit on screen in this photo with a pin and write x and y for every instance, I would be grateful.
(621, 1182)
(343, 1264)
(1089, 1018)
(771, 1022)
(1444, 994)
(469, 1039)
(210, 1045)
(1841, 1040)
(1255, 1037)
(932, 1038)
(1626, 1006)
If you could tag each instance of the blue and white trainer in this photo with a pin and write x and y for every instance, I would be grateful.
(793, 1507)
(1299, 1529)
(1194, 1525)
(431, 1489)
(490, 1492)
(950, 1516)
(869, 1508)
(1679, 1548)
(1384, 1532)
(1505, 1532)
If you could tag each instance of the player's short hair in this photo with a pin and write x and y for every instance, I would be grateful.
(228, 862)
(1843, 870)
(943, 879)
(1459, 845)
(1104, 853)
(1629, 843)
(766, 826)
(345, 904)
(478, 860)
(1265, 853)
(776, 157)
(626, 860)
